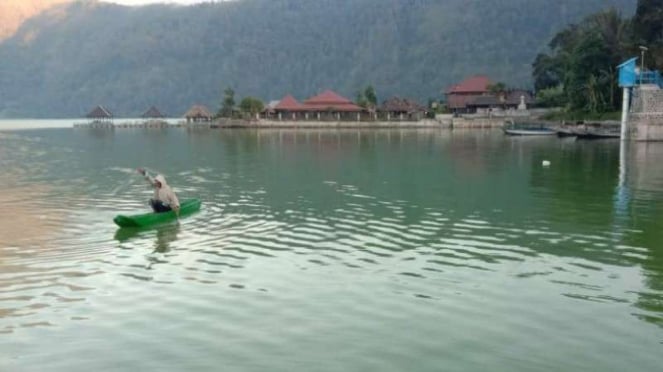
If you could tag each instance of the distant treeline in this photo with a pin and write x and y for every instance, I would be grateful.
(579, 72)
(65, 62)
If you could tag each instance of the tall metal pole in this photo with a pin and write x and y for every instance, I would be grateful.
(642, 64)
(643, 49)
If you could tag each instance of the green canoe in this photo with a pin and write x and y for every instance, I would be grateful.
(148, 219)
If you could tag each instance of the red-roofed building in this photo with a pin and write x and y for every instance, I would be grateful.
(289, 103)
(327, 105)
(460, 95)
(287, 108)
(331, 101)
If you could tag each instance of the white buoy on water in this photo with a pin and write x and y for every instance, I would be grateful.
(545, 163)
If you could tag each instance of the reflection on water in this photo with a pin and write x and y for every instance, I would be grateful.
(23, 222)
(644, 178)
(165, 235)
(399, 249)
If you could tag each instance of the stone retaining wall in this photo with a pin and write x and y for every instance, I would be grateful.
(646, 126)
(646, 117)
(229, 123)
(461, 123)
(443, 123)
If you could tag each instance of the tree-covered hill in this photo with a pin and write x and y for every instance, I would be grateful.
(67, 60)
(14, 12)
(579, 72)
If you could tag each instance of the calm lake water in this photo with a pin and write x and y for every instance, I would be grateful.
(324, 250)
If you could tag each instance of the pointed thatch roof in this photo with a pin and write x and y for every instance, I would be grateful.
(99, 112)
(198, 112)
(153, 113)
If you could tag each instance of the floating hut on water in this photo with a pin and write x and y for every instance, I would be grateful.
(198, 114)
(153, 113)
(154, 118)
(99, 117)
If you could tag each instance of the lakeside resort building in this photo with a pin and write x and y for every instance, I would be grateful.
(516, 99)
(473, 96)
(326, 106)
(397, 108)
(331, 106)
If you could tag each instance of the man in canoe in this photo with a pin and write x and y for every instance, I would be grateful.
(164, 199)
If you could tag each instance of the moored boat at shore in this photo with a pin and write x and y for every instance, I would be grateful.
(598, 134)
(598, 131)
(530, 132)
(566, 130)
(513, 129)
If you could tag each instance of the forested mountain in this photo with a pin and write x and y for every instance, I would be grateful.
(14, 12)
(65, 61)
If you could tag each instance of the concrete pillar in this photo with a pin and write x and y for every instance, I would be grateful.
(625, 104)
(280, 116)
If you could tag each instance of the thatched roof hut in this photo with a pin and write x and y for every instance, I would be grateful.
(402, 108)
(100, 113)
(153, 113)
(198, 113)
(401, 105)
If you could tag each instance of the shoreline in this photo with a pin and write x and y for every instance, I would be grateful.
(444, 123)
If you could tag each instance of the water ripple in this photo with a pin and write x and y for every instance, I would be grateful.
(293, 253)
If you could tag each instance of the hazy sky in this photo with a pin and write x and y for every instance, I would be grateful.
(143, 2)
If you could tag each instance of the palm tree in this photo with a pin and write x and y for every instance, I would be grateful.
(613, 30)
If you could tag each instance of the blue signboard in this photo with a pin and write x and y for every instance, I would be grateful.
(627, 73)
